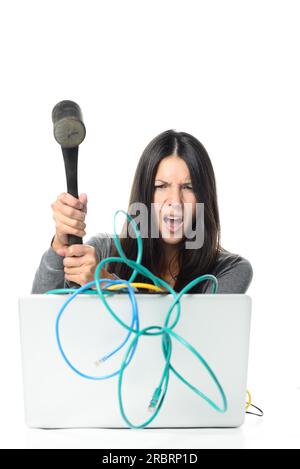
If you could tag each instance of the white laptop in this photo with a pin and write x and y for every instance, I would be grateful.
(216, 325)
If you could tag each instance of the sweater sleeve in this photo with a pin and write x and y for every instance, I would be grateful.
(236, 279)
(50, 272)
(234, 275)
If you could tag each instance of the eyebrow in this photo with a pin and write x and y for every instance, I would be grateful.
(161, 180)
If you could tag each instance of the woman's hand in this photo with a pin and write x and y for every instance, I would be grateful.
(69, 215)
(80, 263)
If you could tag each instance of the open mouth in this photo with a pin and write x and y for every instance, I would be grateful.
(173, 223)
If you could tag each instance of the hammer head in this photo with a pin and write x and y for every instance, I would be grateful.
(68, 127)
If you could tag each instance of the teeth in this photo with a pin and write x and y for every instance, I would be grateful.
(173, 218)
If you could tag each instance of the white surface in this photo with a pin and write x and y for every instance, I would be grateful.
(217, 326)
(225, 71)
(279, 429)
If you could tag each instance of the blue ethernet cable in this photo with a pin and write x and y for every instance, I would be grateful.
(134, 321)
(166, 331)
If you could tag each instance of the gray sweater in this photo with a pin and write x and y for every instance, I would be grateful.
(234, 273)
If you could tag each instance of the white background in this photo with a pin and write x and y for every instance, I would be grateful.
(226, 72)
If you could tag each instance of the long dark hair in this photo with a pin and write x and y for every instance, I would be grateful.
(192, 262)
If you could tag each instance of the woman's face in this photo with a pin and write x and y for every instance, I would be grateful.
(173, 189)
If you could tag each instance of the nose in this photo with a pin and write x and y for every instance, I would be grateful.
(174, 197)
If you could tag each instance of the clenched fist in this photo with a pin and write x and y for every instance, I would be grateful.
(69, 215)
(80, 263)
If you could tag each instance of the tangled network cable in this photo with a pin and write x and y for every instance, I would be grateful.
(166, 331)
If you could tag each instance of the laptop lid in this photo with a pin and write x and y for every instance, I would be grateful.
(216, 325)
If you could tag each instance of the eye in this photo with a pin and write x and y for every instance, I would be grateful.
(160, 186)
(188, 186)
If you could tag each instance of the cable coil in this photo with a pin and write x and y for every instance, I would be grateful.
(166, 331)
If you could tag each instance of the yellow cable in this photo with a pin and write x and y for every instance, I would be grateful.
(248, 404)
(149, 286)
